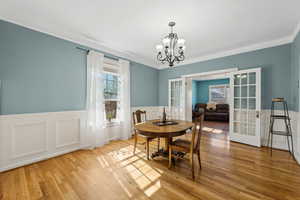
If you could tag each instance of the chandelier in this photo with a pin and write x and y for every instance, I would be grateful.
(172, 49)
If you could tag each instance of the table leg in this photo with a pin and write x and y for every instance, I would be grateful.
(167, 142)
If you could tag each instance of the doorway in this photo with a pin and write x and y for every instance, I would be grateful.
(210, 95)
(244, 99)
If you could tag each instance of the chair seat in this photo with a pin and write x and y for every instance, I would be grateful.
(182, 143)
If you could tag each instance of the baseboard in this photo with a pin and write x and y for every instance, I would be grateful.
(38, 159)
(297, 158)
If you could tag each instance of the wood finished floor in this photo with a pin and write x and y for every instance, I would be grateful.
(229, 171)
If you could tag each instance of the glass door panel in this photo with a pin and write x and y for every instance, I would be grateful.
(245, 122)
(175, 98)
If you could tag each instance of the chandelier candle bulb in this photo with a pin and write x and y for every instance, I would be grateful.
(181, 42)
(166, 42)
(159, 47)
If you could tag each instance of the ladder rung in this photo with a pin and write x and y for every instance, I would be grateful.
(279, 99)
(281, 133)
(280, 116)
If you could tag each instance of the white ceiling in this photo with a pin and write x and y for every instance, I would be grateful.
(132, 28)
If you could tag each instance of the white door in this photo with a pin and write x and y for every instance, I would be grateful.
(176, 99)
(245, 106)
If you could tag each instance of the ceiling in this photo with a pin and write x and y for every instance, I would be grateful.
(132, 28)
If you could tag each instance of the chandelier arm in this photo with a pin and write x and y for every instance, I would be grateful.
(159, 57)
(181, 57)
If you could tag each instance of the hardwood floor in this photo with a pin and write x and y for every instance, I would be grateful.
(229, 171)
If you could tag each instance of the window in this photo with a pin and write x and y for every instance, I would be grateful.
(219, 93)
(111, 95)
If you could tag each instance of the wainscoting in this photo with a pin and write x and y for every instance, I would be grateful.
(27, 138)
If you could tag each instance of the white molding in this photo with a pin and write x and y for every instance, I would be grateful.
(20, 116)
(154, 64)
(214, 72)
(57, 143)
(37, 159)
(85, 42)
(46, 127)
(297, 157)
(245, 49)
(51, 118)
(296, 31)
(13, 136)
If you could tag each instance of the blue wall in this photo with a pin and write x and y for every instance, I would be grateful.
(194, 93)
(276, 72)
(144, 85)
(42, 73)
(202, 89)
(295, 63)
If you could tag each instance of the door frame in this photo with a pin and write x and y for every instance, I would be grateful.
(225, 73)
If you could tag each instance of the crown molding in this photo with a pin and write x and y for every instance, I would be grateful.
(245, 49)
(296, 31)
(154, 64)
(85, 42)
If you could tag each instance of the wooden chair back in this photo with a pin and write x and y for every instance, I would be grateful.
(139, 116)
(196, 134)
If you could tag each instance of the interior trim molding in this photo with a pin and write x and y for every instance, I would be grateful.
(13, 139)
(85, 42)
(36, 159)
(222, 71)
(18, 116)
(58, 144)
(250, 48)
(154, 64)
(296, 31)
(297, 157)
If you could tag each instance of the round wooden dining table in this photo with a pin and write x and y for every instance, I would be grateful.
(150, 129)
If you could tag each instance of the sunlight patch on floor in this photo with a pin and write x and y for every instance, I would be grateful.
(221, 144)
(102, 161)
(212, 130)
(144, 175)
(152, 189)
(122, 185)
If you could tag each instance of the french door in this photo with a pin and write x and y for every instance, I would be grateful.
(176, 99)
(245, 107)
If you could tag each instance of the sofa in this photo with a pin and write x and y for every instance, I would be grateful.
(221, 113)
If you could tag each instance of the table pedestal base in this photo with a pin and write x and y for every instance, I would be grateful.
(164, 153)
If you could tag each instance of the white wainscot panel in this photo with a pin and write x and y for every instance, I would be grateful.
(28, 139)
(279, 142)
(152, 112)
(67, 132)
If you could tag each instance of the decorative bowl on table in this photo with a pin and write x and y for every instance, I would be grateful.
(165, 123)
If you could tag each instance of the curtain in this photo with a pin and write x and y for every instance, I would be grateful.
(94, 101)
(125, 112)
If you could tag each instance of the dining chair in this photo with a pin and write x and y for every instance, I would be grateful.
(189, 146)
(139, 116)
